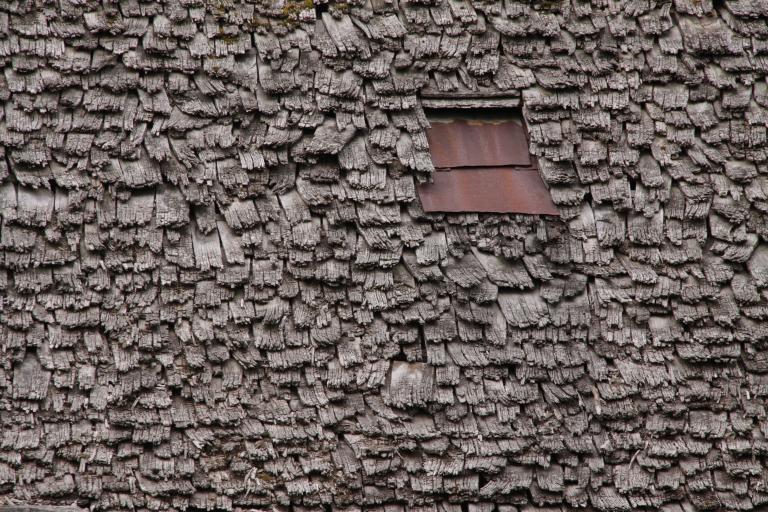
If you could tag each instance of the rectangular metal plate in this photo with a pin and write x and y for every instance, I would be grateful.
(461, 143)
(487, 190)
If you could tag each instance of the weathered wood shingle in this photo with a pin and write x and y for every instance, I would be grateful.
(218, 289)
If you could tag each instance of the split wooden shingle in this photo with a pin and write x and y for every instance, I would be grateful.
(221, 287)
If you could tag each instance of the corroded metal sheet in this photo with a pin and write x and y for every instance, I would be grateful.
(462, 143)
(487, 189)
(41, 508)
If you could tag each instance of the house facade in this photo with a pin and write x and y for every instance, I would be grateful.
(220, 290)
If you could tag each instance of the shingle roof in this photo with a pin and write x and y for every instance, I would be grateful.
(219, 291)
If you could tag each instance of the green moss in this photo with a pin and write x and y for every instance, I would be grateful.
(291, 11)
(230, 39)
(218, 8)
(340, 8)
(256, 22)
(292, 8)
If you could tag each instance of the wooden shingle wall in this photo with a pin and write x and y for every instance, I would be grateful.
(218, 290)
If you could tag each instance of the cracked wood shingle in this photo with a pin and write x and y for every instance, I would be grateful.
(212, 260)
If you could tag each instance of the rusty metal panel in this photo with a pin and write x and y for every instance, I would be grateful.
(462, 143)
(487, 189)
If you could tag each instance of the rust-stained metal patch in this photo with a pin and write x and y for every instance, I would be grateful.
(463, 143)
(483, 165)
(487, 190)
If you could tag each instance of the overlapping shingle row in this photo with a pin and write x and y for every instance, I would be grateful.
(219, 290)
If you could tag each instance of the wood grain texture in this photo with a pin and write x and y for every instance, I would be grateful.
(219, 289)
